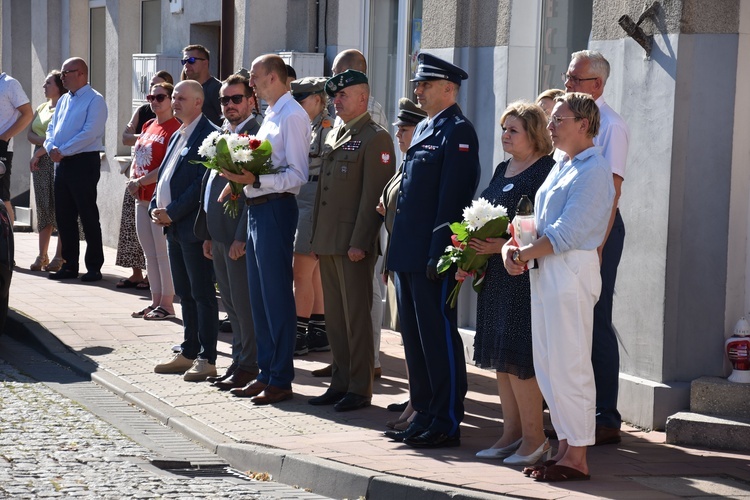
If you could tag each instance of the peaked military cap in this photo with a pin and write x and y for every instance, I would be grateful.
(307, 86)
(345, 79)
(409, 113)
(434, 68)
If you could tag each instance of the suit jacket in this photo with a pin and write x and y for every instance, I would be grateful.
(215, 224)
(185, 183)
(355, 169)
(441, 174)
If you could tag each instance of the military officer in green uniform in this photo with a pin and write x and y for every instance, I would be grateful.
(358, 160)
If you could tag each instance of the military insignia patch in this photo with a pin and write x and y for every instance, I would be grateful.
(385, 158)
(430, 147)
(463, 148)
(344, 169)
(351, 145)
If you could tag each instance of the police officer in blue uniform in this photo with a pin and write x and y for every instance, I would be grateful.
(441, 173)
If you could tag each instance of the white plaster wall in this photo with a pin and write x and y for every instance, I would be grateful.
(642, 91)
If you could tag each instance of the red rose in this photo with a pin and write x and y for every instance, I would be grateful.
(254, 143)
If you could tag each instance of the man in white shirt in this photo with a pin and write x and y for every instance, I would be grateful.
(272, 221)
(588, 72)
(74, 141)
(15, 115)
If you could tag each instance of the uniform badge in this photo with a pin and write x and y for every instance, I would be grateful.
(464, 148)
(440, 122)
(344, 169)
(431, 147)
(351, 145)
(385, 158)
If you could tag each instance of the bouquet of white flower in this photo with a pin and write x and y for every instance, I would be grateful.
(482, 220)
(235, 153)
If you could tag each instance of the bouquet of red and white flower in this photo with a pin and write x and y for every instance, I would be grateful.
(235, 153)
(482, 220)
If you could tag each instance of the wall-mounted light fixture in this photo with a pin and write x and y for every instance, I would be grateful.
(635, 31)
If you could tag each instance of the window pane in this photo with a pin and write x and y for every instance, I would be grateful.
(566, 28)
(382, 55)
(151, 27)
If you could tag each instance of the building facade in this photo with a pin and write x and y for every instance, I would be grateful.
(683, 279)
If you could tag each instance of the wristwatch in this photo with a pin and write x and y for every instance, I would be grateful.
(256, 184)
(516, 257)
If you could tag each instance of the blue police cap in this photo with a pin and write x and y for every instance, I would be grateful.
(434, 68)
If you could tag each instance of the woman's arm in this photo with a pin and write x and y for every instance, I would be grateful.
(130, 135)
(33, 137)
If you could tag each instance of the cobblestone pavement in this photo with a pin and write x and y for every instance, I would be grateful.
(51, 446)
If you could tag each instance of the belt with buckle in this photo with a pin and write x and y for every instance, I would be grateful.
(259, 200)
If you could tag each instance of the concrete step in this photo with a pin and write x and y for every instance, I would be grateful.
(708, 431)
(720, 397)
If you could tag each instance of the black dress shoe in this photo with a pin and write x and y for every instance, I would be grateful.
(91, 276)
(410, 431)
(399, 407)
(227, 374)
(329, 397)
(63, 274)
(433, 439)
(352, 401)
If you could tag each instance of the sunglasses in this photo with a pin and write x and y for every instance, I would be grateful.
(157, 97)
(191, 60)
(236, 98)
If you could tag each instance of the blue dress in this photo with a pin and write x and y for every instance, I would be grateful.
(503, 335)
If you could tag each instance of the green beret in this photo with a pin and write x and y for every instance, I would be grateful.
(346, 79)
(308, 85)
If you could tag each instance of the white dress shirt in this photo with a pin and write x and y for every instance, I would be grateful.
(287, 127)
(163, 191)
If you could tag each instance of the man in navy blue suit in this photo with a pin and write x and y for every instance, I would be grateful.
(441, 173)
(175, 206)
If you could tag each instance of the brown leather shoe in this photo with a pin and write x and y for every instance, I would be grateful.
(607, 435)
(252, 389)
(378, 372)
(271, 395)
(227, 374)
(240, 378)
(323, 372)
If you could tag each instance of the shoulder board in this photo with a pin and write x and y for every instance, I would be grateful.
(459, 119)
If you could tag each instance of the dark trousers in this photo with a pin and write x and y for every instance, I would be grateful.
(231, 276)
(347, 289)
(75, 196)
(192, 275)
(7, 249)
(605, 354)
(434, 351)
(270, 241)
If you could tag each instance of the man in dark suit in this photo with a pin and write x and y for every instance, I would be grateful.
(441, 173)
(358, 159)
(175, 206)
(225, 238)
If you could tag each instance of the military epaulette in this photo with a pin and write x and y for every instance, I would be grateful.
(375, 126)
(459, 119)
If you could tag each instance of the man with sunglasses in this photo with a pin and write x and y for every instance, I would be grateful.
(588, 72)
(225, 238)
(74, 141)
(196, 59)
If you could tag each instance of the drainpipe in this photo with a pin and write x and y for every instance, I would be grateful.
(226, 46)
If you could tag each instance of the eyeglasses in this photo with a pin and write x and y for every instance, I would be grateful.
(568, 77)
(157, 97)
(558, 120)
(191, 60)
(68, 71)
(236, 98)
